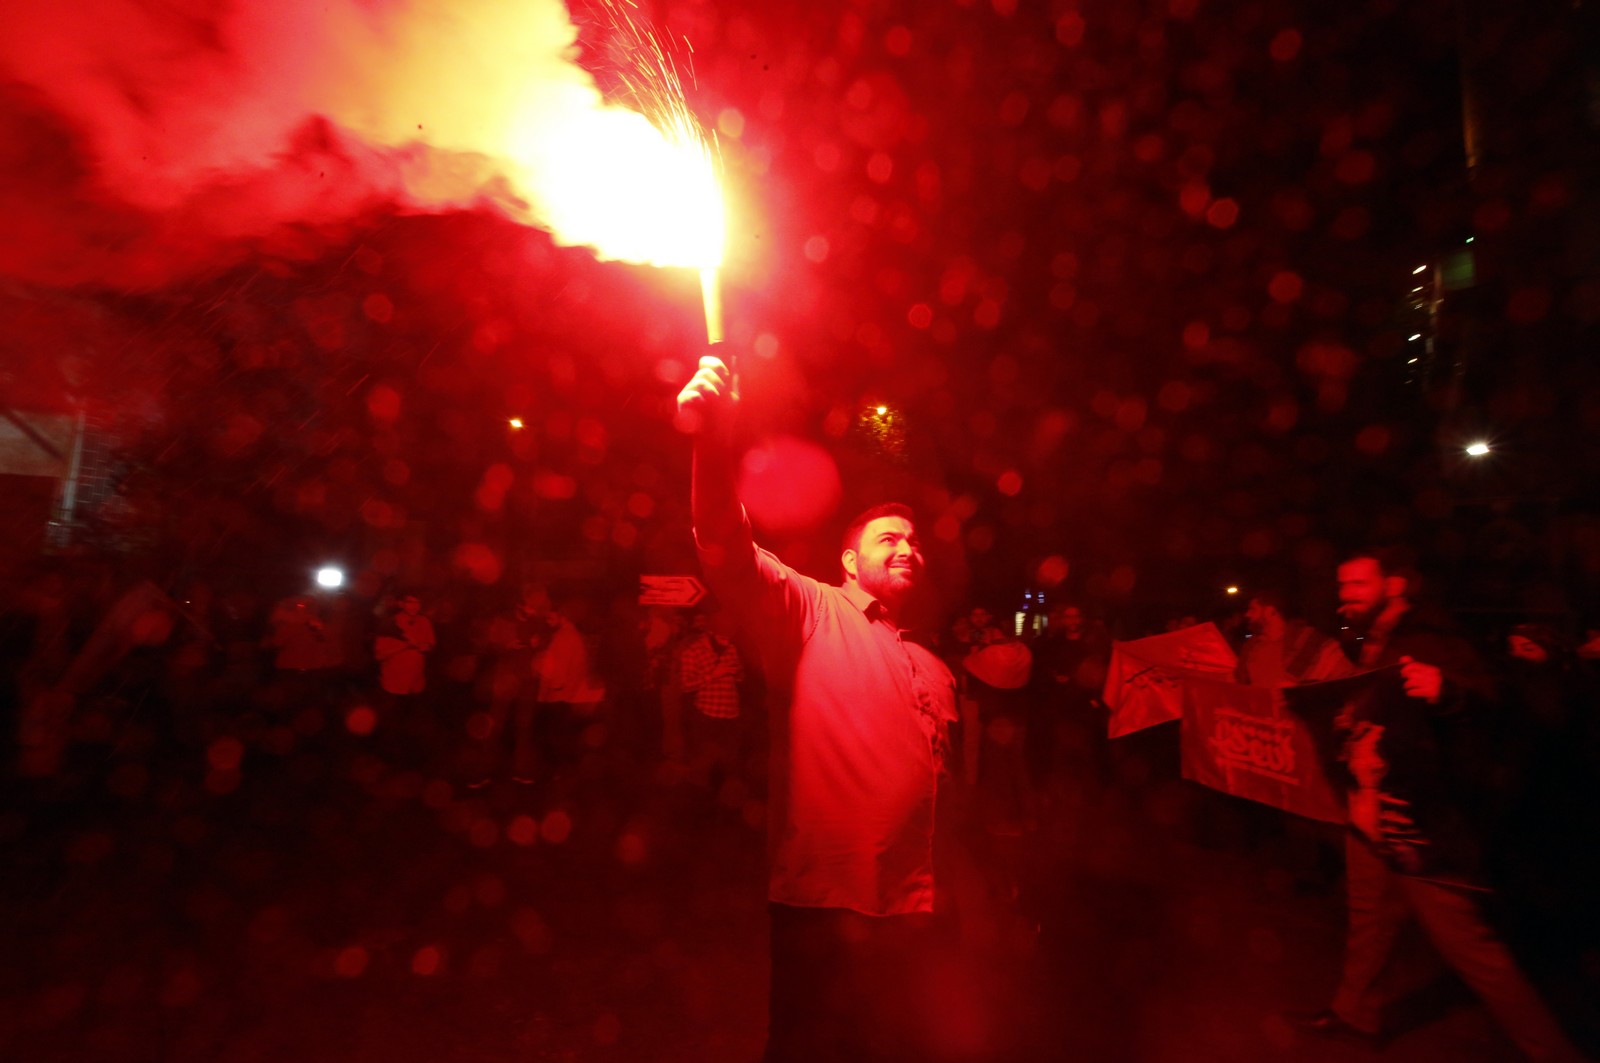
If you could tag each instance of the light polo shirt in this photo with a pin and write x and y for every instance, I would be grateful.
(860, 732)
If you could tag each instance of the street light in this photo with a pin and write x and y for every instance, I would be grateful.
(329, 577)
(1478, 449)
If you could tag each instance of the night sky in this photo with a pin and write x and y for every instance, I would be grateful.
(1134, 282)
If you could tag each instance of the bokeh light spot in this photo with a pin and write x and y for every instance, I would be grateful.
(789, 484)
(225, 754)
(378, 307)
(426, 961)
(360, 720)
(1373, 440)
(1122, 579)
(556, 827)
(1069, 29)
(1222, 214)
(631, 849)
(522, 830)
(351, 962)
(1285, 286)
(1286, 45)
(1053, 570)
(478, 561)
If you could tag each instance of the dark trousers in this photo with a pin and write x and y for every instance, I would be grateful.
(848, 987)
(1380, 902)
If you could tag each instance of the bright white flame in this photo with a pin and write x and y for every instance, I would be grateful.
(493, 89)
(329, 577)
(1477, 450)
(610, 180)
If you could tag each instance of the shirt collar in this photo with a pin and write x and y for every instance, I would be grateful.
(862, 600)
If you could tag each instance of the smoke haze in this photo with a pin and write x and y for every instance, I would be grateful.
(141, 142)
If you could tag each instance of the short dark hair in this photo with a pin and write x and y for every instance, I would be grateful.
(1392, 561)
(1272, 597)
(852, 533)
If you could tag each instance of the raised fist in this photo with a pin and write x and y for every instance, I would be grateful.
(706, 400)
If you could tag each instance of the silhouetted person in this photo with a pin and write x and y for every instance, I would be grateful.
(1067, 728)
(1406, 853)
(710, 670)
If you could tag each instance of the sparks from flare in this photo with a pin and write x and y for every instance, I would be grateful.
(484, 103)
(651, 81)
(637, 179)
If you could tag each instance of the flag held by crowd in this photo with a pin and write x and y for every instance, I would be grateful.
(1274, 746)
(1144, 681)
(1244, 741)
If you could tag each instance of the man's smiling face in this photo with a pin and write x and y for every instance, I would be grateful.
(887, 562)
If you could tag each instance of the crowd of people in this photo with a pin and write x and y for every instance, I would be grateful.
(1508, 751)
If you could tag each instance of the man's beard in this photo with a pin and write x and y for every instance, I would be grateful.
(1361, 623)
(890, 585)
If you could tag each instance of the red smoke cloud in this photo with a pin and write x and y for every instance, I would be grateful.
(146, 141)
(142, 141)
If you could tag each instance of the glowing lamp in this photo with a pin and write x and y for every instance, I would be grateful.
(329, 577)
(515, 422)
(1232, 590)
(1478, 449)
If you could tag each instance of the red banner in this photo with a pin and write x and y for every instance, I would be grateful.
(1143, 683)
(1243, 741)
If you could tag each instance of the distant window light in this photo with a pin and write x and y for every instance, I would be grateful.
(1021, 620)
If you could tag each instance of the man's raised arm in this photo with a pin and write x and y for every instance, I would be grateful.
(705, 411)
(742, 574)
